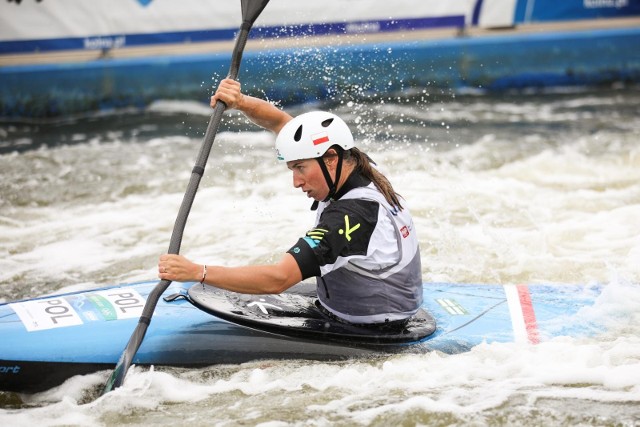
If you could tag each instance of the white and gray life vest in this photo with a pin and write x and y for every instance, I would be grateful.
(385, 284)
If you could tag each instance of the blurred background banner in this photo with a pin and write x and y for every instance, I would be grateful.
(70, 57)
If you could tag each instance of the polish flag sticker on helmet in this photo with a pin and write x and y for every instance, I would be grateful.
(320, 138)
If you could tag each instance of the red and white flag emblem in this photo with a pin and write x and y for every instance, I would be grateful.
(320, 138)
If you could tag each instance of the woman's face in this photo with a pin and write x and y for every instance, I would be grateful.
(308, 176)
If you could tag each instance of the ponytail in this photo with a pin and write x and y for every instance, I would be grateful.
(365, 166)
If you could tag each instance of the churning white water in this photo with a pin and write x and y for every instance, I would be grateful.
(516, 188)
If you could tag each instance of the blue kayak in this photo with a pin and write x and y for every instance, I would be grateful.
(48, 340)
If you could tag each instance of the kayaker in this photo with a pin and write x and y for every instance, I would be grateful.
(363, 248)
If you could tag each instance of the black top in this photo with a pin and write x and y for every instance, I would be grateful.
(344, 229)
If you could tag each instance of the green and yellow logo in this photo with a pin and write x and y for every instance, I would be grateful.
(348, 230)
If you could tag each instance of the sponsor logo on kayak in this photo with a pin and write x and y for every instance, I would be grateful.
(10, 369)
(262, 305)
(452, 306)
(74, 310)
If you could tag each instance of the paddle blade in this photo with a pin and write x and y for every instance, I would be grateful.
(251, 9)
(117, 376)
(119, 373)
(122, 367)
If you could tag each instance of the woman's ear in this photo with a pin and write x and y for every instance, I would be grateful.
(331, 159)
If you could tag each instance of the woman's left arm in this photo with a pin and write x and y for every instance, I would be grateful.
(252, 279)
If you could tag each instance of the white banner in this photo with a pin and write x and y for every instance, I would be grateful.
(50, 19)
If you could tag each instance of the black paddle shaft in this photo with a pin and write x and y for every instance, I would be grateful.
(251, 9)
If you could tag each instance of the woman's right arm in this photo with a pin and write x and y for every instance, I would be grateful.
(259, 111)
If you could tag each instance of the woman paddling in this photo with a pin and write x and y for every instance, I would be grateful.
(363, 248)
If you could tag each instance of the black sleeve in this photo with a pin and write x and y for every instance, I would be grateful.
(304, 256)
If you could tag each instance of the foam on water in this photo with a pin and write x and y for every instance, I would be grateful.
(504, 192)
(477, 387)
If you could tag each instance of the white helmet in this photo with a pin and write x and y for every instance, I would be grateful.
(310, 135)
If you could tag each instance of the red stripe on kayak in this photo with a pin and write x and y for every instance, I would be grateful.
(529, 315)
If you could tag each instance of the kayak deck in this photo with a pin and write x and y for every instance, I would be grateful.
(297, 315)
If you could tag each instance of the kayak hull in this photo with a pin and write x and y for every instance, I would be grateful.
(48, 340)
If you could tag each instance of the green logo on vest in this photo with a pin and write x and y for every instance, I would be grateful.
(347, 230)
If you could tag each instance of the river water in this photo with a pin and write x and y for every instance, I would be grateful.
(539, 187)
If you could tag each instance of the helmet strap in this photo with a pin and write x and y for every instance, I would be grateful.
(330, 183)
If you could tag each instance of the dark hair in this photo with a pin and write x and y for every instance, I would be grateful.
(364, 165)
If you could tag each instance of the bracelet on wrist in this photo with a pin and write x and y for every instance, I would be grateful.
(204, 274)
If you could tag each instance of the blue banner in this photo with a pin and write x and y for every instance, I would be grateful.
(566, 10)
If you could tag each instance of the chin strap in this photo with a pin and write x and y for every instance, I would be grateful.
(330, 183)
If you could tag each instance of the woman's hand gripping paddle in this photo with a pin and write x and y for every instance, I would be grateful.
(251, 9)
